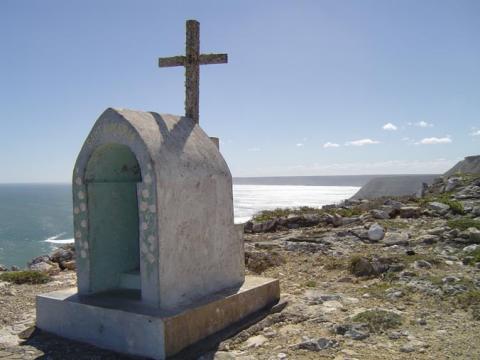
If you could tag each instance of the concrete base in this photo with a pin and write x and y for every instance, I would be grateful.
(119, 321)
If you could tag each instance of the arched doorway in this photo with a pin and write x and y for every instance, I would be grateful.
(111, 177)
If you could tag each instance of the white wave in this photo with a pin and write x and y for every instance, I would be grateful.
(55, 239)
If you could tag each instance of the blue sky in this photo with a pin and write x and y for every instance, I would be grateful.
(308, 90)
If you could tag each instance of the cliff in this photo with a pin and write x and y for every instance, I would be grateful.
(393, 185)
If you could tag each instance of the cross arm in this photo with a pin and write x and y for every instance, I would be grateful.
(172, 61)
(205, 59)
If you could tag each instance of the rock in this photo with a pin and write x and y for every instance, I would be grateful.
(316, 344)
(408, 212)
(438, 207)
(39, 259)
(380, 214)
(438, 231)
(452, 183)
(470, 248)
(390, 210)
(68, 265)
(14, 268)
(259, 261)
(3, 268)
(45, 267)
(350, 220)
(395, 238)
(255, 341)
(394, 203)
(361, 267)
(62, 254)
(474, 235)
(428, 239)
(422, 264)
(315, 297)
(247, 227)
(304, 246)
(337, 220)
(356, 334)
(421, 192)
(376, 232)
(476, 211)
(267, 226)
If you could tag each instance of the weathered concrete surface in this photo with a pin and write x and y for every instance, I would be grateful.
(124, 324)
(187, 243)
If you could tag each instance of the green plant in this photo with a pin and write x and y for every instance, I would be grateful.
(311, 283)
(464, 223)
(474, 257)
(378, 320)
(266, 215)
(445, 198)
(468, 299)
(25, 277)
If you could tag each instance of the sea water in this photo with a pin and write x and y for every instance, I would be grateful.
(34, 219)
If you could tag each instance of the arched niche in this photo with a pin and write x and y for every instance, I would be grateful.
(111, 177)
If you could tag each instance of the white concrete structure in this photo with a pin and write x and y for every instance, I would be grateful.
(187, 243)
(155, 240)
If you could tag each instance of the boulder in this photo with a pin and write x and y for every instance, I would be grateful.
(68, 265)
(380, 214)
(408, 212)
(45, 267)
(428, 239)
(474, 235)
(39, 259)
(316, 344)
(3, 268)
(452, 183)
(61, 255)
(394, 204)
(438, 207)
(267, 226)
(396, 238)
(376, 232)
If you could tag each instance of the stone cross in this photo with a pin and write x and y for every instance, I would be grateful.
(192, 61)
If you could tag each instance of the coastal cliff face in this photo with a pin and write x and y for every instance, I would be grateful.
(470, 165)
(402, 185)
(366, 279)
(393, 185)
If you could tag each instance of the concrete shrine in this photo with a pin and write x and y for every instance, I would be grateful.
(160, 263)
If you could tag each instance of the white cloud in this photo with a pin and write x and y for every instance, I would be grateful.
(361, 142)
(475, 133)
(435, 141)
(254, 149)
(299, 145)
(389, 127)
(330, 145)
(422, 124)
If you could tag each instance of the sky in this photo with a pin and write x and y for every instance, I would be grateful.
(311, 88)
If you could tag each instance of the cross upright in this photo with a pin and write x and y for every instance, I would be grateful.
(192, 61)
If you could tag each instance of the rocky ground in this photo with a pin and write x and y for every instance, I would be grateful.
(383, 279)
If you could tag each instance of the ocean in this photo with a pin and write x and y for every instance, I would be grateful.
(34, 219)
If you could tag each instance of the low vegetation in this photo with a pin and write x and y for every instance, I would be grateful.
(266, 215)
(445, 198)
(464, 223)
(25, 277)
(378, 320)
